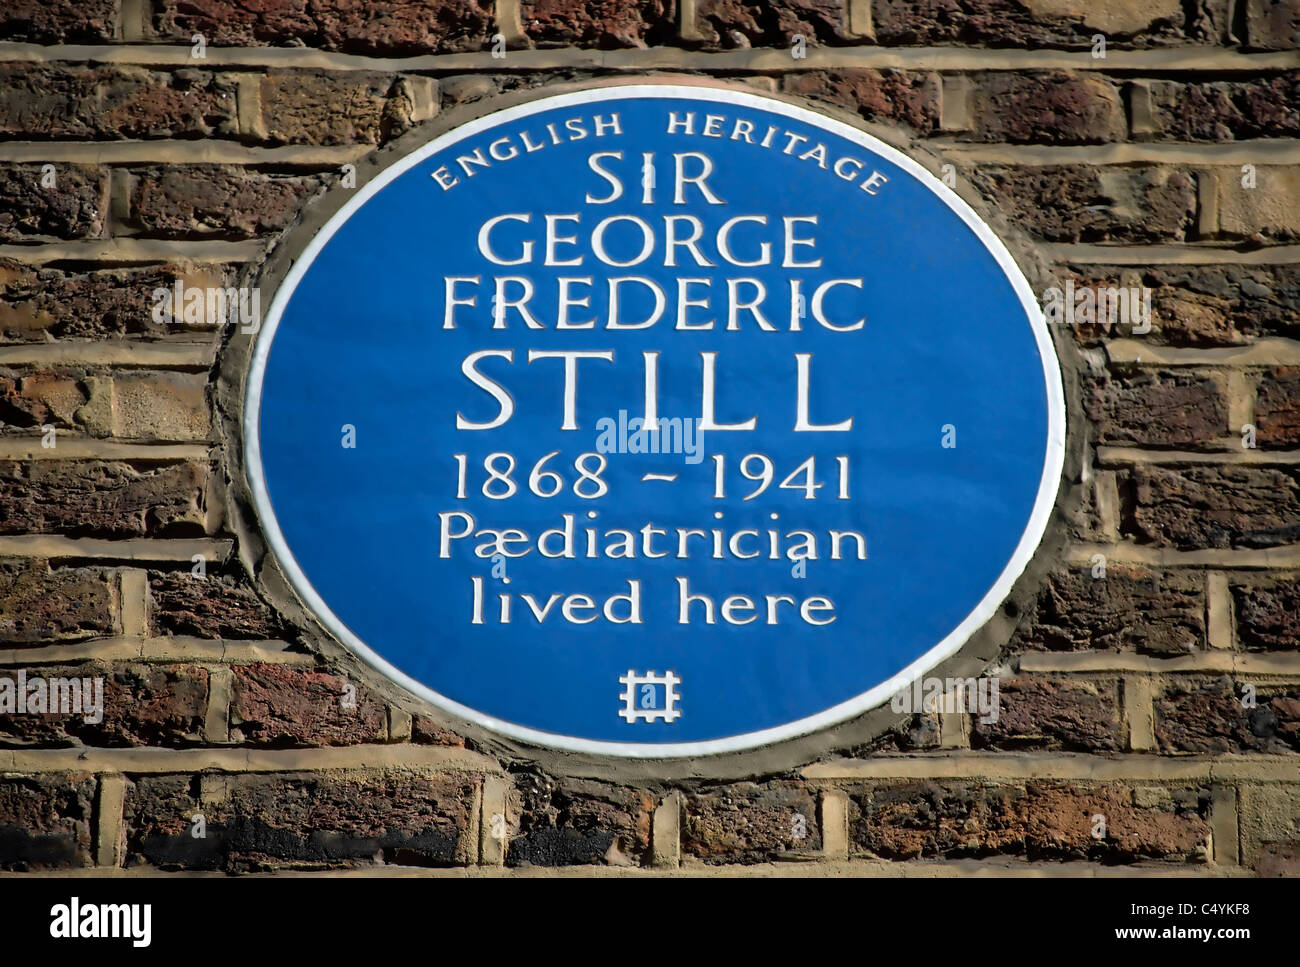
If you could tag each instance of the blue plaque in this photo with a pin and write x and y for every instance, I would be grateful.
(654, 420)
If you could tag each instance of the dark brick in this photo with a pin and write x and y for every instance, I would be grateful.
(1083, 203)
(37, 304)
(45, 821)
(425, 731)
(1265, 107)
(1272, 24)
(319, 107)
(279, 705)
(1277, 408)
(43, 101)
(730, 24)
(750, 822)
(1210, 305)
(1039, 821)
(1268, 618)
(1175, 409)
(1049, 108)
(38, 400)
(579, 822)
(604, 24)
(1195, 507)
(102, 499)
(58, 21)
(300, 820)
(1075, 611)
(73, 208)
(40, 605)
(386, 27)
(912, 98)
(215, 606)
(1209, 718)
(1027, 23)
(144, 705)
(217, 200)
(1071, 716)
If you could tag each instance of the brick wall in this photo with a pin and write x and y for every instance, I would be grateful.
(1121, 695)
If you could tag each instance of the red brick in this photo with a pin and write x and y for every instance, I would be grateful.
(1061, 715)
(1209, 718)
(301, 821)
(1197, 507)
(1049, 108)
(750, 822)
(45, 821)
(911, 98)
(1076, 612)
(317, 107)
(64, 101)
(1268, 618)
(58, 21)
(1084, 203)
(1039, 821)
(40, 605)
(102, 499)
(604, 24)
(72, 209)
(1263, 107)
(218, 200)
(577, 822)
(285, 706)
(38, 400)
(215, 606)
(1277, 409)
(729, 24)
(1161, 409)
(386, 27)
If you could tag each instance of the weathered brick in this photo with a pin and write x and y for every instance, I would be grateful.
(1269, 818)
(1268, 618)
(1065, 715)
(1083, 203)
(1272, 24)
(45, 821)
(1266, 211)
(750, 822)
(157, 407)
(281, 705)
(1056, 23)
(218, 200)
(66, 101)
(102, 499)
(389, 27)
(1210, 717)
(215, 606)
(143, 705)
(604, 24)
(1039, 820)
(72, 208)
(425, 731)
(1218, 506)
(319, 107)
(579, 822)
(40, 605)
(1174, 408)
(37, 304)
(1265, 107)
(39, 399)
(729, 24)
(1130, 607)
(58, 21)
(1203, 305)
(1059, 107)
(909, 97)
(300, 820)
(1277, 408)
